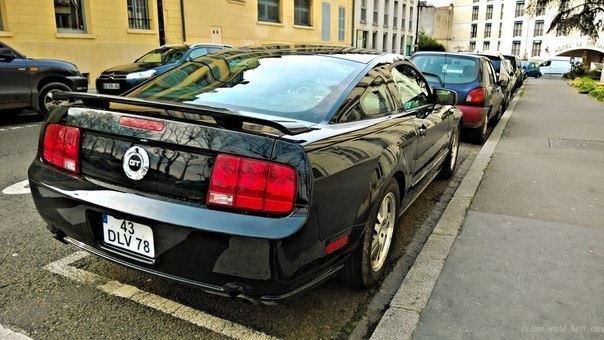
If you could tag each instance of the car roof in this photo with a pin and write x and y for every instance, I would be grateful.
(360, 55)
(454, 54)
(209, 44)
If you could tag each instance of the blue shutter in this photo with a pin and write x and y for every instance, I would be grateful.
(325, 23)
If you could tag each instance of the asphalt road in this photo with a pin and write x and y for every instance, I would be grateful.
(47, 305)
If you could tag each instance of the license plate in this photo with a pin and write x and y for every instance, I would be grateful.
(135, 237)
(111, 86)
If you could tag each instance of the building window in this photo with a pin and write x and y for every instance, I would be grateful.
(475, 1)
(341, 23)
(363, 11)
(384, 42)
(540, 10)
(69, 16)
(498, 46)
(486, 45)
(500, 29)
(374, 40)
(501, 13)
(395, 15)
(516, 48)
(538, 28)
(326, 21)
(410, 19)
(361, 39)
(519, 9)
(376, 8)
(473, 31)
(536, 51)
(1, 24)
(487, 30)
(386, 5)
(403, 20)
(489, 12)
(138, 15)
(394, 40)
(518, 28)
(302, 12)
(268, 10)
(475, 13)
(472, 46)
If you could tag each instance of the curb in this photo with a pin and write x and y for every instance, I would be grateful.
(402, 316)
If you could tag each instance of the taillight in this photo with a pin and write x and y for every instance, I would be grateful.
(62, 147)
(252, 185)
(476, 96)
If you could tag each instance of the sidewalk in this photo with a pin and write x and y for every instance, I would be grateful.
(529, 258)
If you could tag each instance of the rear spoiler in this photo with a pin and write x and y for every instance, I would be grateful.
(221, 115)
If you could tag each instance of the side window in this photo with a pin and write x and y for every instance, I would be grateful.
(198, 52)
(375, 101)
(413, 89)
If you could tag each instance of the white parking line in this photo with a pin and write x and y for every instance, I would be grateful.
(64, 268)
(7, 334)
(19, 188)
(17, 127)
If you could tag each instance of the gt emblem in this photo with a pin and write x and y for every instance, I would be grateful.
(136, 163)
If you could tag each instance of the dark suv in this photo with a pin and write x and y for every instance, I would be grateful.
(26, 83)
(120, 79)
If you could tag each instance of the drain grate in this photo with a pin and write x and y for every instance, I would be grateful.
(580, 144)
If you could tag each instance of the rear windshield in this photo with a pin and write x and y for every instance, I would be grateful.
(496, 63)
(303, 87)
(450, 69)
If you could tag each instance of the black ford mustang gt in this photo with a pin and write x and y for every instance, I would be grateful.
(252, 173)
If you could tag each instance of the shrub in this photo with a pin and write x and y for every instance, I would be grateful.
(586, 85)
(598, 92)
(427, 43)
(595, 74)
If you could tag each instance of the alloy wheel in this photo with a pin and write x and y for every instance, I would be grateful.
(50, 102)
(382, 231)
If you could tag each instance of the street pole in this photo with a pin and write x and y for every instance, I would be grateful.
(419, 4)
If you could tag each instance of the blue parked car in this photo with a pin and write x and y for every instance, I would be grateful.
(120, 79)
(531, 69)
(479, 92)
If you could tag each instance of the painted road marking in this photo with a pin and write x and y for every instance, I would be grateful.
(215, 324)
(6, 333)
(19, 188)
(18, 127)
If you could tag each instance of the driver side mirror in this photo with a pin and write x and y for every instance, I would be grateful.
(6, 54)
(445, 97)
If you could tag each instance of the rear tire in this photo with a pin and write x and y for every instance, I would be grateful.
(479, 135)
(448, 167)
(45, 101)
(369, 260)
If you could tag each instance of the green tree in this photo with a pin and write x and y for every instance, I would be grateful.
(585, 16)
(427, 43)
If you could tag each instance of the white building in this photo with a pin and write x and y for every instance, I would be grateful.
(385, 25)
(508, 27)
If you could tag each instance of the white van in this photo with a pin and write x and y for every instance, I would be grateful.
(555, 66)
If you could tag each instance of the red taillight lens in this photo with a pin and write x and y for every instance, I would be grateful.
(62, 147)
(140, 123)
(252, 185)
(476, 96)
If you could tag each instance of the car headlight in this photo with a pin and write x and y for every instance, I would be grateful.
(141, 75)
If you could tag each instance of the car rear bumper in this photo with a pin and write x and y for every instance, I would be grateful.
(473, 116)
(261, 264)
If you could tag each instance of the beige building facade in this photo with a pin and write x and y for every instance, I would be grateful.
(98, 34)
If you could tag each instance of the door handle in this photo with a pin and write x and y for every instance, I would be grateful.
(422, 130)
